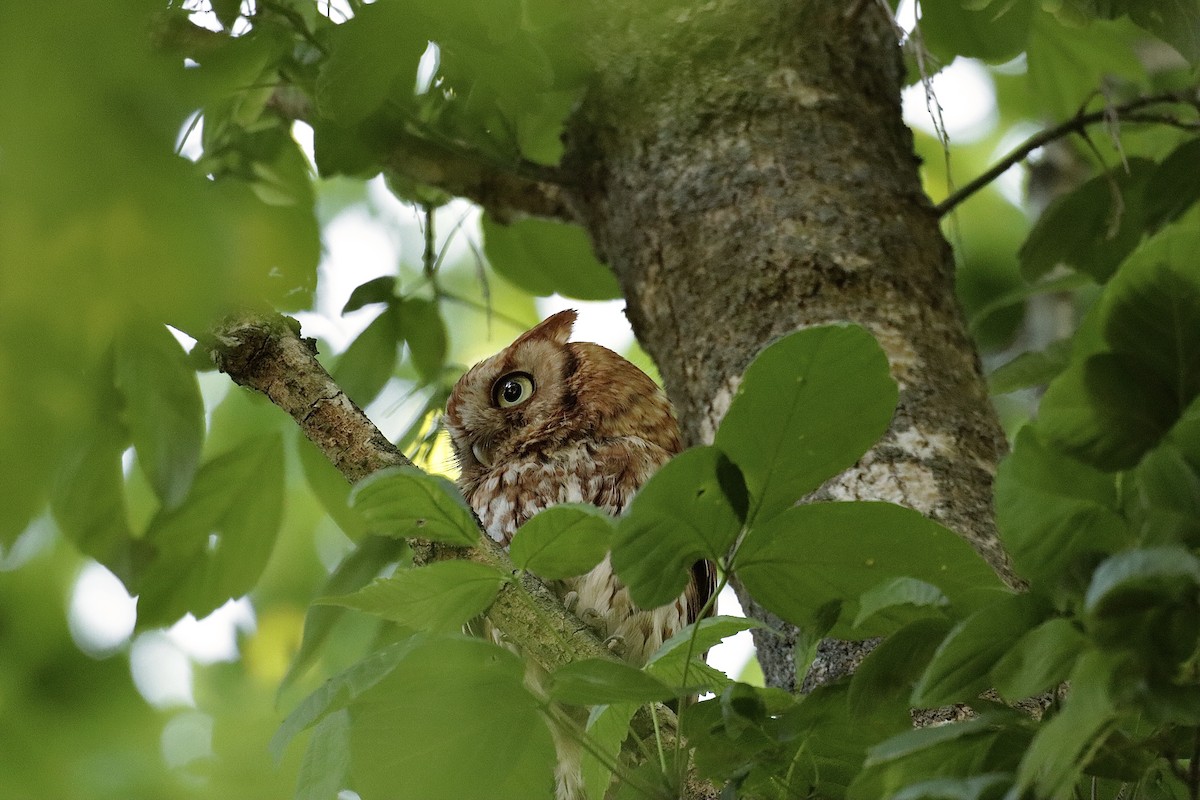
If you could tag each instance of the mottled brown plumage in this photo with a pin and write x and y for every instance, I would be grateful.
(549, 421)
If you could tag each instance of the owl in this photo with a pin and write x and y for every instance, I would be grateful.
(549, 421)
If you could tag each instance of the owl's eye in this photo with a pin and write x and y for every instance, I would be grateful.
(513, 389)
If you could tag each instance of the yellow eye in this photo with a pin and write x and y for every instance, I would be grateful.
(513, 389)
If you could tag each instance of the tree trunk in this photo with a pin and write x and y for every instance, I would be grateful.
(766, 183)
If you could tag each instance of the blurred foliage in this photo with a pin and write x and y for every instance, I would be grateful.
(150, 175)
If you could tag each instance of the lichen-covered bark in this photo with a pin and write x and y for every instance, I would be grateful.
(766, 182)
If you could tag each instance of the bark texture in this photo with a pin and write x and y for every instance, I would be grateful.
(765, 183)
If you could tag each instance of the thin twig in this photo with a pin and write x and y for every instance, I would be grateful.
(486, 308)
(1075, 124)
(429, 256)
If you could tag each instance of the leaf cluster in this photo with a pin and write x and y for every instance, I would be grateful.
(851, 569)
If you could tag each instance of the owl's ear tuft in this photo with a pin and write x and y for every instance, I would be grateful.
(555, 328)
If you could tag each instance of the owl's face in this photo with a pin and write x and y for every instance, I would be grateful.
(542, 393)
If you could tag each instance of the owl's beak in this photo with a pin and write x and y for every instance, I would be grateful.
(481, 454)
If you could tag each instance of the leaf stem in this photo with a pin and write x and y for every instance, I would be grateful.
(662, 757)
(568, 725)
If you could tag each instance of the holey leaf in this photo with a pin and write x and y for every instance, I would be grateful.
(690, 510)
(828, 553)
(404, 501)
(438, 597)
(808, 406)
(562, 541)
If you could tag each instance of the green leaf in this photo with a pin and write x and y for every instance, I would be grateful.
(679, 662)
(439, 597)
(329, 486)
(540, 133)
(1034, 368)
(897, 602)
(1052, 510)
(563, 541)
(1168, 492)
(813, 555)
(607, 728)
(1152, 314)
(452, 720)
(162, 408)
(422, 327)
(1170, 193)
(371, 56)
(808, 407)
(367, 364)
(1141, 579)
(888, 674)
(376, 290)
(358, 567)
(340, 150)
(995, 33)
(829, 743)
(1176, 23)
(227, 11)
(1059, 752)
(1040, 660)
(1090, 229)
(689, 510)
(88, 500)
(906, 744)
(960, 668)
(1108, 410)
(1067, 63)
(544, 257)
(596, 681)
(706, 633)
(326, 762)
(405, 502)
(337, 692)
(214, 545)
(975, 748)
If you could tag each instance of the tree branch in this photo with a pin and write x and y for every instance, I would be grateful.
(507, 192)
(528, 189)
(1075, 124)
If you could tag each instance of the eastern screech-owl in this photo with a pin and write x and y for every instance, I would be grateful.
(548, 421)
